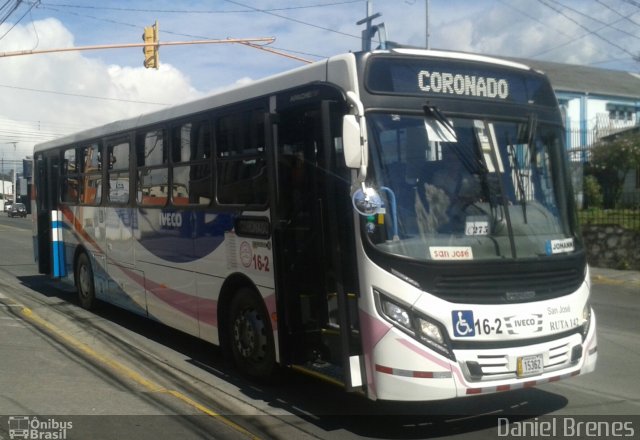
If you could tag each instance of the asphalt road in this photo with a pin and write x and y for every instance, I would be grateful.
(115, 375)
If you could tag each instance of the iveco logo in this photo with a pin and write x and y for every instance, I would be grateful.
(520, 296)
(524, 324)
(170, 219)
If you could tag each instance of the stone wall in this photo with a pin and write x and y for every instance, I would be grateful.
(612, 247)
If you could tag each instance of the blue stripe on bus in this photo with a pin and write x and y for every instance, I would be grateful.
(182, 240)
(59, 267)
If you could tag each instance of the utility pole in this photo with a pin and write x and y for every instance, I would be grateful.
(369, 32)
(426, 20)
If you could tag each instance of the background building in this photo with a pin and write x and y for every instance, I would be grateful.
(596, 104)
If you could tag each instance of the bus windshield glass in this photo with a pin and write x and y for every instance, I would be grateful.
(468, 189)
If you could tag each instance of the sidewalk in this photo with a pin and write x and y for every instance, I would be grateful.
(601, 275)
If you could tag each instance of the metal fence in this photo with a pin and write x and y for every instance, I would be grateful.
(626, 215)
(625, 210)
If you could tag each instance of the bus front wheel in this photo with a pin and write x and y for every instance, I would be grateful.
(84, 282)
(249, 335)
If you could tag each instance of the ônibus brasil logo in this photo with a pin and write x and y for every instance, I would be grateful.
(34, 428)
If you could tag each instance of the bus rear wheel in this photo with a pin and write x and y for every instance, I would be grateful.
(84, 282)
(249, 335)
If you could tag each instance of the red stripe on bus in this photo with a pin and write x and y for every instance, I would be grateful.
(382, 369)
(423, 374)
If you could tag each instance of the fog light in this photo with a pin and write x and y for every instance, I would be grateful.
(576, 353)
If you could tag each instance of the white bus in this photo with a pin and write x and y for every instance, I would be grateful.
(400, 222)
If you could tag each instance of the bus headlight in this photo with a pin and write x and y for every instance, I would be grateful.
(420, 327)
(396, 312)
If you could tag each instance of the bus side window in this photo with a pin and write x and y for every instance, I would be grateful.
(190, 155)
(91, 178)
(152, 169)
(241, 166)
(118, 171)
(69, 178)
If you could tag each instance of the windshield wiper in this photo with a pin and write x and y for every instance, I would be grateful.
(471, 162)
(531, 127)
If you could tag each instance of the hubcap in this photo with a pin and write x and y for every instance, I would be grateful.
(84, 280)
(249, 335)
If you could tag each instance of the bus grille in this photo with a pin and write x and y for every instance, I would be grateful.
(500, 364)
(506, 287)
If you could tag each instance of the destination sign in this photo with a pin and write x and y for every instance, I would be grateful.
(452, 78)
(458, 84)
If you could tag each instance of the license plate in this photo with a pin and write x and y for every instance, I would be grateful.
(530, 365)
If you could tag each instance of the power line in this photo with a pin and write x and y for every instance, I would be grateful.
(39, 124)
(632, 2)
(82, 96)
(598, 21)
(19, 20)
(295, 20)
(534, 18)
(107, 20)
(628, 18)
(7, 9)
(589, 32)
(207, 11)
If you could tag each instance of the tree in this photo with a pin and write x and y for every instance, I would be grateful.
(611, 162)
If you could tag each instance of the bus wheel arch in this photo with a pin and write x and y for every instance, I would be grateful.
(245, 331)
(83, 277)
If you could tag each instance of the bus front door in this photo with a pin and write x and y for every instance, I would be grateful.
(46, 172)
(312, 223)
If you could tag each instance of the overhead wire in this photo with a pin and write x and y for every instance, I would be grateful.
(610, 25)
(19, 20)
(78, 95)
(632, 2)
(165, 31)
(615, 11)
(589, 31)
(7, 9)
(295, 20)
(204, 11)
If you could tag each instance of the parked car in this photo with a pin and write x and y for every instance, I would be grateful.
(17, 210)
(7, 205)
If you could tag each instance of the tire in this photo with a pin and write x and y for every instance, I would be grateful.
(84, 282)
(249, 333)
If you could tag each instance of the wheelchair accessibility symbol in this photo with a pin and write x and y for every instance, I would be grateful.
(463, 323)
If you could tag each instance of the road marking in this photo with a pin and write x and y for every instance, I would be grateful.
(129, 373)
(8, 304)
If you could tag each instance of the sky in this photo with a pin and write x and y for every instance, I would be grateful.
(48, 95)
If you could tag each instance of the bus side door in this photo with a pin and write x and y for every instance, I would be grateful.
(313, 236)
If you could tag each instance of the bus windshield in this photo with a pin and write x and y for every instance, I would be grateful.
(468, 189)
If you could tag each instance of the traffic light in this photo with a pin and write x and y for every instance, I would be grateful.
(150, 36)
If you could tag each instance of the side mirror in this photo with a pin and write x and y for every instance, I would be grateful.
(351, 141)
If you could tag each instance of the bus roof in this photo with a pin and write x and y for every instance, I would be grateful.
(317, 71)
(302, 75)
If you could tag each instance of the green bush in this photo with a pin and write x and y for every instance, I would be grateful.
(592, 192)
